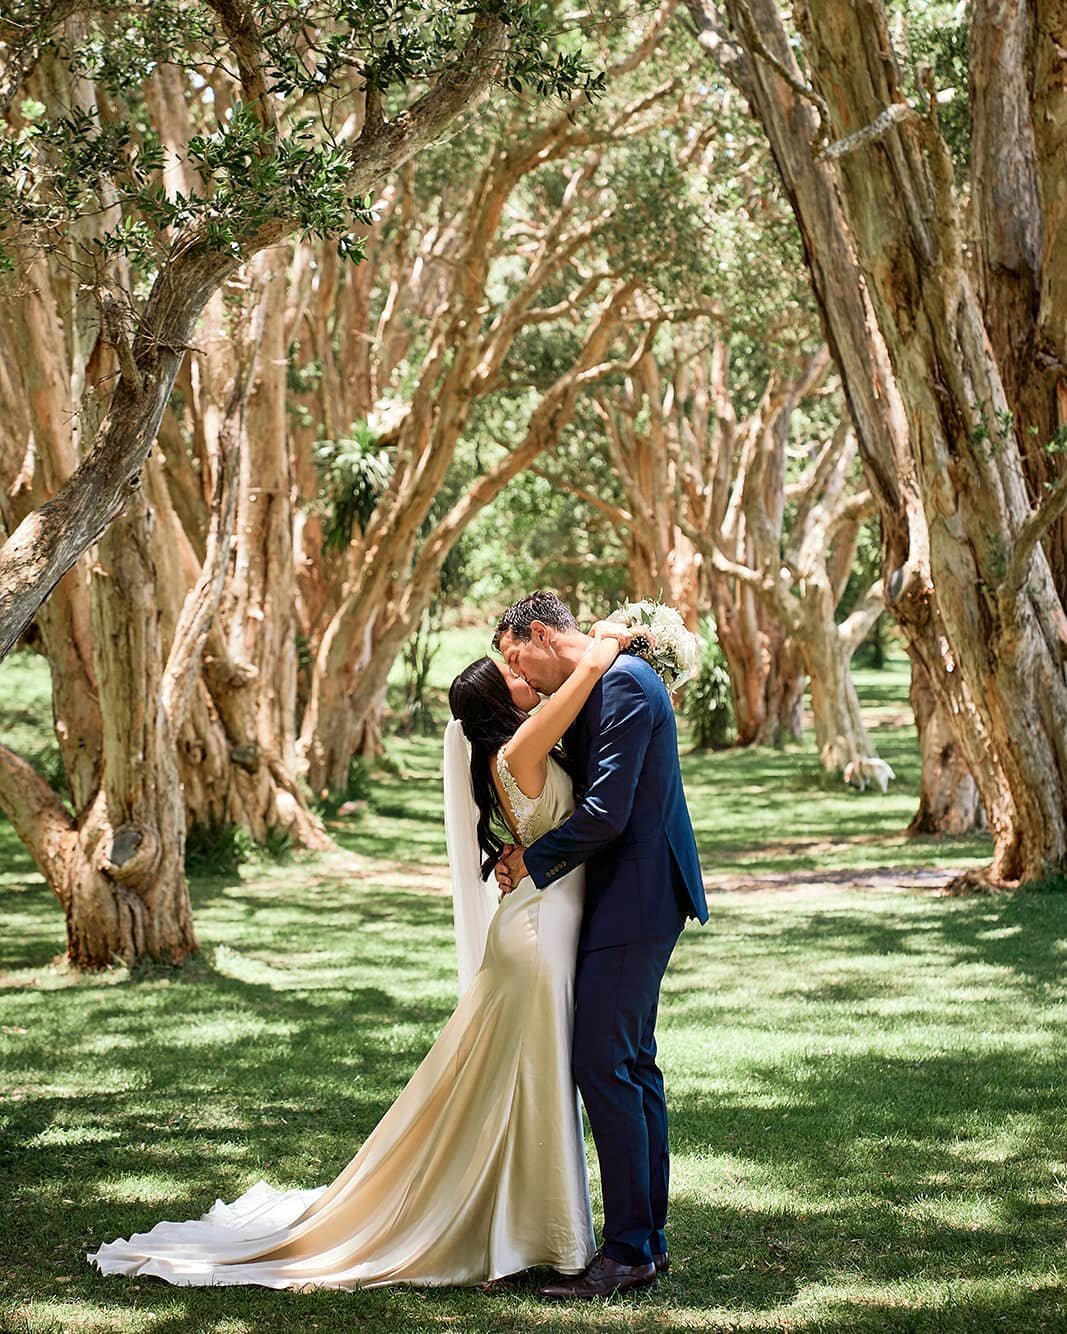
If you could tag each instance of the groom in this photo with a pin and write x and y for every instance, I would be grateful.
(632, 830)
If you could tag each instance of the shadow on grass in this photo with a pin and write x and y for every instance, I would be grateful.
(881, 1180)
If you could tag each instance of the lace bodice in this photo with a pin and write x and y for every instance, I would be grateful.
(535, 816)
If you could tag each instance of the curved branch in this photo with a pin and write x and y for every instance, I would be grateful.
(615, 513)
(40, 819)
(239, 25)
(389, 144)
(1035, 527)
(855, 628)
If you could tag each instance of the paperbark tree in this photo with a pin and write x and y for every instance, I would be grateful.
(676, 446)
(544, 248)
(797, 572)
(948, 795)
(116, 864)
(236, 750)
(1002, 609)
(751, 44)
(262, 174)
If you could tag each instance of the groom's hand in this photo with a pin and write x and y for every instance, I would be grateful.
(511, 868)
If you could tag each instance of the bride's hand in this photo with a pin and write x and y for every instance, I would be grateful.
(625, 635)
(510, 868)
(612, 630)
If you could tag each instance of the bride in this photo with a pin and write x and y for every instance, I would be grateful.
(478, 1169)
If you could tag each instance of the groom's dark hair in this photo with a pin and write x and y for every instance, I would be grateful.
(540, 606)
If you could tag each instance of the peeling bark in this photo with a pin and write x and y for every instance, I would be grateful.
(783, 104)
(48, 541)
(948, 796)
(1005, 623)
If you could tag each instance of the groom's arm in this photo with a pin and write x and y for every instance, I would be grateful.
(616, 751)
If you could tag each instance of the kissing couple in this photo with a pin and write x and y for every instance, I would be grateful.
(478, 1169)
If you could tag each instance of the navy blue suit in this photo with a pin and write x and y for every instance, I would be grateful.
(631, 830)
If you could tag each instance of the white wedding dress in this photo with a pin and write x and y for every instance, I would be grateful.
(476, 1171)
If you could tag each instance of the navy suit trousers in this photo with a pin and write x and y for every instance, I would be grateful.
(614, 1061)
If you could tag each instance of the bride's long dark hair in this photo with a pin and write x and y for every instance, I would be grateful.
(480, 699)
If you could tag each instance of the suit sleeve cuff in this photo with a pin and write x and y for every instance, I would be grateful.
(540, 873)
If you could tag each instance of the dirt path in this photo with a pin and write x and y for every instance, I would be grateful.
(899, 879)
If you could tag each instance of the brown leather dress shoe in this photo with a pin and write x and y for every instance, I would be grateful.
(601, 1278)
(662, 1262)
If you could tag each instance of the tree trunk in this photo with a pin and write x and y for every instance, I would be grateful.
(133, 902)
(1004, 619)
(840, 734)
(784, 691)
(860, 354)
(948, 795)
(218, 759)
(37, 451)
(766, 672)
(253, 685)
(1012, 60)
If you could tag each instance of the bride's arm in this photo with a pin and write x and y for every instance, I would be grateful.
(529, 747)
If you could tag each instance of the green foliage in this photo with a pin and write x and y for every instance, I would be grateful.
(708, 702)
(753, 257)
(62, 163)
(874, 651)
(1058, 443)
(217, 848)
(660, 229)
(394, 44)
(538, 534)
(992, 430)
(354, 472)
(933, 34)
(418, 657)
(356, 788)
(418, 714)
(26, 717)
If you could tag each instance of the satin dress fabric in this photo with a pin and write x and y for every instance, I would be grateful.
(477, 1170)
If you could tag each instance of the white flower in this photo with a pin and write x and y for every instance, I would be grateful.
(675, 655)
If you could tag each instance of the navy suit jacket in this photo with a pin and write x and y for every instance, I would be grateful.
(631, 827)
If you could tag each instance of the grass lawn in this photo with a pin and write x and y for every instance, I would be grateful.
(869, 1126)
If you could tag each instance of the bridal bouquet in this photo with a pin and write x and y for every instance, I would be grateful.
(671, 649)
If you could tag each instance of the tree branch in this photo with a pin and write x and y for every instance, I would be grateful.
(757, 46)
(711, 33)
(881, 125)
(615, 513)
(114, 321)
(239, 25)
(855, 628)
(1027, 538)
(391, 143)
(854, 510)
(40, 819)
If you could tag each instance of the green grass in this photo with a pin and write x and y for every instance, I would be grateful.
(869, 1127)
